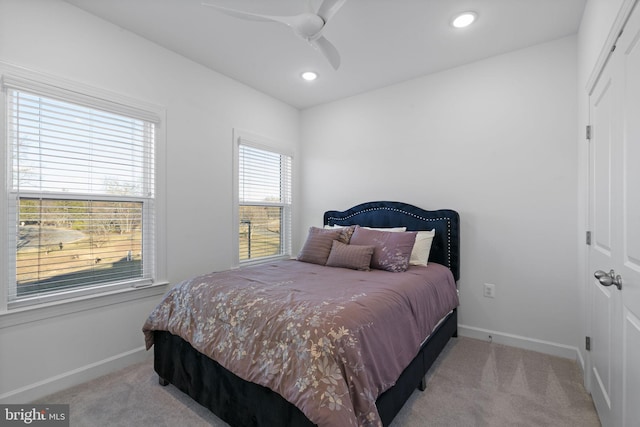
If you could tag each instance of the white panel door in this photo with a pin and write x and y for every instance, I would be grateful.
(628, 266)
(604, 300)
(615, 221)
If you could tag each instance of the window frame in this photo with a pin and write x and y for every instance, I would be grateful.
(242, 137)
(50, 86)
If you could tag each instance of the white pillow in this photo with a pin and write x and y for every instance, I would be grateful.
(391, 229)
(422, 247)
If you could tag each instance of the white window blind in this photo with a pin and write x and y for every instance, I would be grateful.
(264, 216)
(80, 194)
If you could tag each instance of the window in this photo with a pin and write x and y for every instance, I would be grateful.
(264, 202)
(80, 193)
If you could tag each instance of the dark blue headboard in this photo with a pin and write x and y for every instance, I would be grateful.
(445, 248)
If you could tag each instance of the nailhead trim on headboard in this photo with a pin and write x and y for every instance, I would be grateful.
(448, 222)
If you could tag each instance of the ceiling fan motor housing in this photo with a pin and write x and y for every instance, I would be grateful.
(307, 25)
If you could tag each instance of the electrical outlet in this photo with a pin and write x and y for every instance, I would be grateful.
(489, 290)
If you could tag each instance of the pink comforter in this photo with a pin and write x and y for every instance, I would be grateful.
(329, 340)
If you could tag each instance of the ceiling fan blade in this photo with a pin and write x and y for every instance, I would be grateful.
(328, 50)
(306, 25)
(328, 8)
(286, 20)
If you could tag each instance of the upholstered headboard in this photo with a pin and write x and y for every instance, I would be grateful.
(445, 248)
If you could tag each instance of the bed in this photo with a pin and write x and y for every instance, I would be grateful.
(251, 383)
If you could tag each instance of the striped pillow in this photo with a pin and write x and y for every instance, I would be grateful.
(318, 245)
(355, 257)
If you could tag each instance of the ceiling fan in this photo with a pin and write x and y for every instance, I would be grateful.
(307, 26)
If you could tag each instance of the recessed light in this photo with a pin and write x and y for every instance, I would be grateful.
(309, 75)
(464, 19)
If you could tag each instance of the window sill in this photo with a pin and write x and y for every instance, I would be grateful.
(19, 316)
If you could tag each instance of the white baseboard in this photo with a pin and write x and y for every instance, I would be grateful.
(40, 389)
(533, 344)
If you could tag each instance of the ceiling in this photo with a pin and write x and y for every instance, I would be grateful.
(381, 42)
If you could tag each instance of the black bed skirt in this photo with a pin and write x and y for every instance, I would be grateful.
(243, 403)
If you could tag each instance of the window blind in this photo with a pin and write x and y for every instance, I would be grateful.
(81, 194)
(264, 203)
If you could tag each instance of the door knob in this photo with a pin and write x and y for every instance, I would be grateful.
(608, 279)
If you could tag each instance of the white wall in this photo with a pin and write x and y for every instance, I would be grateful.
(40, 353)
(494, 140)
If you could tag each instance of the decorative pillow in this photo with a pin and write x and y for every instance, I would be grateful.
(355, 257)
(318, 245)
(349, 229)
(392, 250)
(390, 229)
(346, 231)
(422, 247)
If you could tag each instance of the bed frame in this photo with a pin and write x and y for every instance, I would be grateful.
(242, 403)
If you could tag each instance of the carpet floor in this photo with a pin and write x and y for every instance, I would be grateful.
(473, 383)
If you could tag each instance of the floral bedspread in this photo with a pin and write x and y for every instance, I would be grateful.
(329, 340)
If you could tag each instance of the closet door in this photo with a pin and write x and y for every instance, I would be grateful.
(628, 264)
(605, 301)
(614, 256)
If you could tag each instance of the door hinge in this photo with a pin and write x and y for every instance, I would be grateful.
(587, 343)
(588, 132)
(589, 238)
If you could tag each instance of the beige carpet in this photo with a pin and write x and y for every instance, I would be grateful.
(473, 383)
